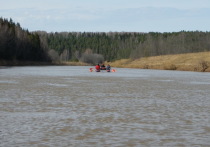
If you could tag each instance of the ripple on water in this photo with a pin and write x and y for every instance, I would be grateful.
(70, 109)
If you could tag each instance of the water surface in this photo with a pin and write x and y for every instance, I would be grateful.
(70, 106)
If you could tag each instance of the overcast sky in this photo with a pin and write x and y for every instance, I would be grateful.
(109, 15)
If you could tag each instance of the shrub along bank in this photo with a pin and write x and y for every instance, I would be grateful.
(184, 62)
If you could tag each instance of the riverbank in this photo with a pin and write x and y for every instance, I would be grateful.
(183, 62)
(33, 63)
(23, 63)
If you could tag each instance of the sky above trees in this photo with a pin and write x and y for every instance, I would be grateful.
(109, 15)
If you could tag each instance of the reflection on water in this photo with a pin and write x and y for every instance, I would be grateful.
(70, 106)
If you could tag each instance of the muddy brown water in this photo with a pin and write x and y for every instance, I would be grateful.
(70, 106)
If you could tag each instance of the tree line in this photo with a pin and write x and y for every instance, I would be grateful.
(93, 47)
(17, 44)
(118, 45)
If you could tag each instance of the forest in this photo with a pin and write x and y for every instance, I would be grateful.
(95, 47)
(17, 44)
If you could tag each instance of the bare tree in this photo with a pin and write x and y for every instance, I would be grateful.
(89, 57)
(54, 55)
(65, 55)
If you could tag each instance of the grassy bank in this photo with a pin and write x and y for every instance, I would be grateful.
(183, 62)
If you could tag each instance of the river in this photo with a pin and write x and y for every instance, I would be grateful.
(70, 106)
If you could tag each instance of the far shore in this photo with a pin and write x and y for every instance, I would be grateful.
(199, 62)
(33, 63)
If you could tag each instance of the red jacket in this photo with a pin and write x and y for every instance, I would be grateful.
(97, 67)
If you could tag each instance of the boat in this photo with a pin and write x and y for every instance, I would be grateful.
(95, 70)
(103, 68)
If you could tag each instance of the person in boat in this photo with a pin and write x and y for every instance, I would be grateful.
(103, 67)
(97, 67)
(108, 67)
